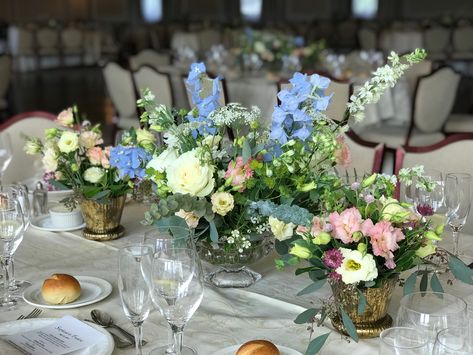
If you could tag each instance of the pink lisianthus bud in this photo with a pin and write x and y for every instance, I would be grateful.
(343, 154)
(239, 172)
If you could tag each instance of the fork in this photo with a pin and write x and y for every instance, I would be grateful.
(33, 314)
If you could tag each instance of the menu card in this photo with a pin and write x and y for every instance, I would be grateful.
(66, 335)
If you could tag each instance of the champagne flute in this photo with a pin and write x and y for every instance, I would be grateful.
(134, 270)
(6, 153)
(11, 228)
(457, 201)
(452, 341)
(177, 289)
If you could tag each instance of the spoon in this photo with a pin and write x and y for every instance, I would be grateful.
(105, 320)
(119, 342)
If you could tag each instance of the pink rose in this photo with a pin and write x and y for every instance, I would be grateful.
(345, 224)
(99, 156)
(383, 239)
(343, 154)
(65, 118)
(239, 172)
(89, 139)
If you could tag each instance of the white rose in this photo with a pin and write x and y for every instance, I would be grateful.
(50, 159)
(191, 218)
(356, 267)
(222, 203)
(163, 160)
(281, 230)
(186, 175)
(68, 142)
(144, 136)
(93, 174)
(89, 139)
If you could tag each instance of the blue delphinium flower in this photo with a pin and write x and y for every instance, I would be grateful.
(299, 41)
(203, 105)
(293, 118)
(130, 161)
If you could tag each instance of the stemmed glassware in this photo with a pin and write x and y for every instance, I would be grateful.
(403, 341)
(457, 201)
(12, 225)
(452, 341)
(134, 272)
(6, 153)
(430, 202)
(177, 289)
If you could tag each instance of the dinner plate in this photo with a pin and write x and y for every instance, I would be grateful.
(44, 223)
(93, 290)
(231, 350)
(19, 326)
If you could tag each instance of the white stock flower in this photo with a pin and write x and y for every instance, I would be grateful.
(163, 160)
(93, 174)
(68, 142)
(356, 267)
(50, 159)
(186, 175)
(222, 203)
(281, 230)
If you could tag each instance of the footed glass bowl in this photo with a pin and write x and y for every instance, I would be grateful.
(229, 267)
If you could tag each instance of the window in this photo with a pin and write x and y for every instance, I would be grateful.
(251, 10)
(364, 9)
(152, 10)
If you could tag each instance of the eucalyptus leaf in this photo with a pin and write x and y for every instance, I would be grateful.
(460, 270)
(349, 326)
(424, 281)
(307, 316)
(410, 283)
(213, 232)
(435, 283)
(316, 344)
(361, 302)
(312, 287)
(246, 151)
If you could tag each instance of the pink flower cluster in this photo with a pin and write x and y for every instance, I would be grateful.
(318, 226)
(99, 156)
(239, 172)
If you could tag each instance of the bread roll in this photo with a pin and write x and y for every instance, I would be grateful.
(60, 289)
(258, 347)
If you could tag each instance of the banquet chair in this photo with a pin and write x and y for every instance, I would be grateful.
(120, 87)
(448, 156)
(47, 41)
(5, 78)
(462, 43)
(72, 46)
(158, 83)
(208, 38)
(185, 39)
(367, 38)
(21, 44)
(459, 123)
(149, 57)
(436, 42)
(413, 74)
(23, 167)
(434, 97)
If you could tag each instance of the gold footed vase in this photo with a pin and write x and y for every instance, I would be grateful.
(375, 318)
(102, 220)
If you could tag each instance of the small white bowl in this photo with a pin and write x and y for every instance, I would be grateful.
(62, 217)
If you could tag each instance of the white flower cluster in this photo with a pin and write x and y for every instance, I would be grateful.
(240, 241)
(235, 114)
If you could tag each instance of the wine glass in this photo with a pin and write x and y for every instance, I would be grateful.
(11, 228)
(165, 238)
(20, 193)
(177, 289)
(452, 341)
(6, 153)
(134, 270)
(432, 312)
(457, 201)
(403, 341)
(429, 202)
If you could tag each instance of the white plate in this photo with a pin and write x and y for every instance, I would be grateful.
(44, 223)
(19, 326)
(231, 350)
(93, 290)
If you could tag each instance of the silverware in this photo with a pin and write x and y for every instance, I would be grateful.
(33, 314)
(119, 342)
(105, 320)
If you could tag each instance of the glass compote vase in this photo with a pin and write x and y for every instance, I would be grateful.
(229, 265)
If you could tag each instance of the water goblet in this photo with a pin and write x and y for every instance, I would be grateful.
(134, 270)
(452, 341)
(403, 341)
(177, 290)
(11, 228)
(6, 153)
(457, 201)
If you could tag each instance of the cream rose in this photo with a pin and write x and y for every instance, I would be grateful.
(281, 230)
(89, 139)
(93, 174)
(144, 136)
(186, 175)
(50, 159)
(68, 142)
(163, 160)
(222, 203)
(356, 267)
(65, 118)
(191, 218)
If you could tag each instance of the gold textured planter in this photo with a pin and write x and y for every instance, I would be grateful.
(375, 317)
(102, 220)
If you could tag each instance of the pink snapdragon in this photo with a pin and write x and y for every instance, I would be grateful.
(239, 172)
(384, 238)
(345, 224)
(342, 154)
(99, 156)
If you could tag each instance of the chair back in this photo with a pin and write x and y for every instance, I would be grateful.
(434, 99)
(119, 83)
(25, 167)
(462, 39)
(413, 74)
(158, 83)
(47, 41)
(436, 39)
(5, 75)
(150, 58)
(368, 38)
(71, 40)
(185, 39)
(447, 156)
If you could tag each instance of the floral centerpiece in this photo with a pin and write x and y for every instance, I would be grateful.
(74, 158)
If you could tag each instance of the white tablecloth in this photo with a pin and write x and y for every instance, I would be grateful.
(226, 316)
